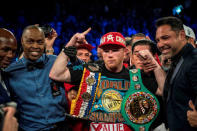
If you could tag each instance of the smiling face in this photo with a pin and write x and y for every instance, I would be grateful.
(8, 47)
(7, 52)
(113, 56)
(33, 42)
(169, 42)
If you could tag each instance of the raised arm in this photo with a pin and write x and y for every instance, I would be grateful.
(150, 64)
(50, 41)
(60, 71)
(160, 76)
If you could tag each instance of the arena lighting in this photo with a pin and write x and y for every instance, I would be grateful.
(177, 10)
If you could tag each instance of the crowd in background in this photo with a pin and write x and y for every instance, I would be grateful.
(127, 17)
(34, 79)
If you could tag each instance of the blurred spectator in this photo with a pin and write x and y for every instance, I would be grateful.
(8, 47)
(84, 52)
(190, 35)
(127, 52)
(127, 17)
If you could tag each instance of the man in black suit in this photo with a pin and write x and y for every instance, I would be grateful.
(8, 47)
(181, 83)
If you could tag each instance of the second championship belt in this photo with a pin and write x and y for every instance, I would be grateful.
(82, 105)
(139, 107)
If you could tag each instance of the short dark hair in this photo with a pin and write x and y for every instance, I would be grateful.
(150, 43)
(175, 23)
(31, 27)
(137, 35)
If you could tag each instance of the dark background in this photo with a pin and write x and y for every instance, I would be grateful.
(70, 16)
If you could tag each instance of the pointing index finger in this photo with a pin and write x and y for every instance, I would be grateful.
(87, 31)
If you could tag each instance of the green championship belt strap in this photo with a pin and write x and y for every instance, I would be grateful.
(139, 107)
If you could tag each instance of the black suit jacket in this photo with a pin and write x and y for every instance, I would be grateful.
(183, 87)
(4, 98)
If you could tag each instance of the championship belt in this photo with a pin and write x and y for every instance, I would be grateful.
(109, 96)
(110, 101)
(139, 106)
(81, 106)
